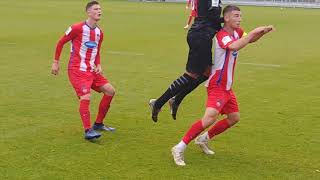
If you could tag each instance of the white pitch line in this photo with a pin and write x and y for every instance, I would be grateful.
(263, 65)
(125, 53)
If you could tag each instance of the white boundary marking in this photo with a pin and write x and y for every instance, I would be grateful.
(262, 65)
(125, 53)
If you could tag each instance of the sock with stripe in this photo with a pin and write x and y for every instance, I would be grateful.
(177, 86)
(179, 97)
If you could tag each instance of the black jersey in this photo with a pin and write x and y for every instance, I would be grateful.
(208, 16)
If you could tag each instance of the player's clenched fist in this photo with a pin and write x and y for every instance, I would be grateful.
(55, 68)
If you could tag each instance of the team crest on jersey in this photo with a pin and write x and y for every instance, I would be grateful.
(226, 40)
(84, 89)
(90, 44)
(219, 102)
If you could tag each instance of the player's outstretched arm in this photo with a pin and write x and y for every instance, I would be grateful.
(240, 43)
(260, 33)
(252, 36)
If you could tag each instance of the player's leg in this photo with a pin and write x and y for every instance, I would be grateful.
(221, 126)
(81, 82)
(209, 118)
(199, 62)
(175, 101)
(176, 86)
(84, 110)
(101, 84)
(233, 117)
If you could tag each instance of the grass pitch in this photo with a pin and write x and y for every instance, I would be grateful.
(277, 85)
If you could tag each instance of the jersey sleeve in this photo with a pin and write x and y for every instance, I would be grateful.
(224, 39)
(240, 32)
(70, 34)
(97, 61)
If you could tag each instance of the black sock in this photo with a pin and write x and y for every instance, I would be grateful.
(179, 97)
(97, 124)
(177, 86)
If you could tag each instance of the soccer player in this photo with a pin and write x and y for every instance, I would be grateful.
(192, 4)
(199, 39)
(84, 69)
(221, 98)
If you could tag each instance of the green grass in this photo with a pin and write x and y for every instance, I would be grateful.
(41, 134)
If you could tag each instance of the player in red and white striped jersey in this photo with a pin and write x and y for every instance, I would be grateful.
(221, 99)
(84, 69)
(193, 5)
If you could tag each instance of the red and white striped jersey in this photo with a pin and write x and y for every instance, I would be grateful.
(224, 59)
(194, 7)
(85, 46)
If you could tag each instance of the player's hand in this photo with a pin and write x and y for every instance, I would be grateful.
(269, 29)
(258, 30)
(263, 29)
(55, 68)
(98, 69)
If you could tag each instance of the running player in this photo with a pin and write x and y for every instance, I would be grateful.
(221, 99)
(84, 69)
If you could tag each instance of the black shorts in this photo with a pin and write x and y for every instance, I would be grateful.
(200, 50)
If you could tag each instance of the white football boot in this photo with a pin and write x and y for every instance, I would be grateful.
(202, 141)
(178, 156)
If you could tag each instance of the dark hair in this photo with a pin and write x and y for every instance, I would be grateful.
(230, 8)
(90, 4)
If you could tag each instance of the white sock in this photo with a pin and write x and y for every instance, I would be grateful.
(181, 146)
(204, 137)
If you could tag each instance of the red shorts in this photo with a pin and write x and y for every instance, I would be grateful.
(194, 13)
(222, 100)
(83, 82)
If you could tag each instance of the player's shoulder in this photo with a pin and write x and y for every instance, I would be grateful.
(221, 34)
(239, 31)
(78, 25)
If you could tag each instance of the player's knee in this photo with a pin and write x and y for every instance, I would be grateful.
(86, 97)
(234, 119)
(112, 91)
(210, 117)
(108, 89)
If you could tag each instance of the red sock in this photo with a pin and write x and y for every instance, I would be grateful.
(193, 132)
(218, 128)
(103, 108)
(85, 113)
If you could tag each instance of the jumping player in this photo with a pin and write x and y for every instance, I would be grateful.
(199, 39)
(221, 99)
(84, 69)
(192, 4)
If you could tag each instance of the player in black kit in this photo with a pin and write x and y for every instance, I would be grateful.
(198, 67)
